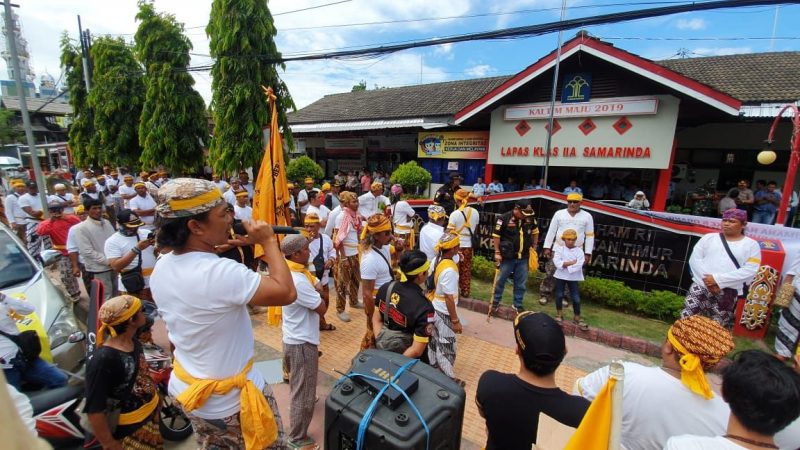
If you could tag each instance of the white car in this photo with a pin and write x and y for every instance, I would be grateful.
(23, 276)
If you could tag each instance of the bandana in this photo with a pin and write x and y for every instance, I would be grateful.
(144, 174)
(288, 185)
(574, 197)
(17, 183)
(79, 210)
(325, 187)
(462, 198)
(309, 180)
(347, 196)
(701, 343)
(186, 197)
(376, 224)
(735, 213)
(423, 268)
(446, 242)
(114, 312)
(436, 212)
(139, 184)
(87, 182)
(376, 185)
(128, 177)
(397, 189)
(242, 194)
(311, 218)
(569, 233)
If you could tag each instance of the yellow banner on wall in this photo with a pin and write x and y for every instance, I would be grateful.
(453, 145)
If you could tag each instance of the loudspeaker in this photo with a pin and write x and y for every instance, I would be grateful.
(394, 424)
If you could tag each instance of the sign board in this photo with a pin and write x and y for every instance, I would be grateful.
(344, 144)
(628, 106)
(577, 87)
(631, 142)
(452, 165)
(453, 145)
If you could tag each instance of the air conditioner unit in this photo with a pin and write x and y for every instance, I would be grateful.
(679, 171)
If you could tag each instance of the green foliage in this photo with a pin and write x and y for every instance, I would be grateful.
(116, 97)
(302, 167)
(173, 120)
(242, 42)
(410, 176)
(482, 268)
(360, 87)
(9, 131)
(81, 131)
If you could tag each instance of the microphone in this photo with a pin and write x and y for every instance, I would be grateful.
(284, 230)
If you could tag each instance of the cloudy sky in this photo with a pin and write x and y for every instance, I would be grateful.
(360, 23)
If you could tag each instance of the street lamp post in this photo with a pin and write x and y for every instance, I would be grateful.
(794, 159)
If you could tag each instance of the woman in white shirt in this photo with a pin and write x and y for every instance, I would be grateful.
(402, 217)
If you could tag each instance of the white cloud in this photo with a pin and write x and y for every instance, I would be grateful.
(480, 70)
(720, 51)
(691, 24)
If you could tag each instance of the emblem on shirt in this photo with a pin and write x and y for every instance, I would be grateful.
(394, 299)
(431, 317)
(429, 329)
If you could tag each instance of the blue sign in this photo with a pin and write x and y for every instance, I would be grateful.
(577, 87)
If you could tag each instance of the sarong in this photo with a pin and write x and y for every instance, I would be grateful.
(347, 277)
(788, 332)
(718, 307)
(67, 278)
(147, 436)
(442, 345)
(465, 272)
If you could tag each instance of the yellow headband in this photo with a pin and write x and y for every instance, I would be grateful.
(692, 374)
(18, 184)
(376, 185)
(574, 197)
(189, 203)
(308, 180)
(447, 245)
(136, 305)
(242, 194)
(311, 218)
(326, 187)
(423, 268)
(383, 226)
(569, 233)
(139, 184)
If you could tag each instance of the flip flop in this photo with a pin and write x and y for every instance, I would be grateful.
(583, 326)
(307, 444)
(327, 327)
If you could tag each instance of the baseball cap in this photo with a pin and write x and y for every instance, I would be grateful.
(539, 337)
(524, 207)
(129, 219)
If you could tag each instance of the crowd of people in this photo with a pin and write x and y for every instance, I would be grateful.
(139, 234)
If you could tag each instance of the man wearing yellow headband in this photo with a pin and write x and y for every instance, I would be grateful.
(446, 325)
(464, 223)
(302, 196)
(403, 319)
(14, 213)
(117, 371)
(573, 217)
(402, 215)
(113, 179)
(373, 202)
(431, 232)
(143, 205)
(241, 210)
(674, 399)
(316, 207)
(321, 259)
(516, 234)
(376, 266)
(222, 185)
(126, 190)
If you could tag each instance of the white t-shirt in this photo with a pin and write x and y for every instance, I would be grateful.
(327, 254)
(402, 213)
(303, 197)
(446, 284)
(368, 204)
(657, 406)
(124, 190)
(34, 203)
(789, 437)
(230, 197)
(689, 442)
(14, 212)
(112, 182)
(118, 245)
(375, 267)
(221, 185)
(562, 254)
(242, 213)
(428, 236)
(583, 224)
(709, 257)
(143, 204)
(67, 200)
(458, 223)
(332, 217)
(321, 211)
(72, 246)
(300, 321)
(203, 300)
(350, 242)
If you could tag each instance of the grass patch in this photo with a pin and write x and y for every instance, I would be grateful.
(598, 316)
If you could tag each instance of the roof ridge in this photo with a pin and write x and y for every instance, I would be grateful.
(438, 83)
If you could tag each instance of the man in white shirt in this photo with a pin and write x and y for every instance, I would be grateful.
(131, 247)
(14, 213)
(479, 188)
(143, 205)
(113, 179)
(764, 397)
(442, 344)
(328, 230)
(346, 230)
(660, 402)
(126, 190)
(220, 184)
(464, 223)
(495, 187)
(430, 233)
(573, 217)
(320, 260)
(64, 198)
(301, 321)
(31, 205)
(373, 202)
(302, 197)
(573, 188)
(402, 217)
(236, 187)
(241, 210)
(376, 267)
(315, 207)
(244, 177)
(721, 265)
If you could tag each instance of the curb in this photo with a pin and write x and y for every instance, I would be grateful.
(607, 338)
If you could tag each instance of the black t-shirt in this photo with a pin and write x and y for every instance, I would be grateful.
(409, 310)
(511, 408)
(518, 232)
(244, 254)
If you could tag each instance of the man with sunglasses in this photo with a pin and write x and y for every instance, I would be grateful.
(572, 217)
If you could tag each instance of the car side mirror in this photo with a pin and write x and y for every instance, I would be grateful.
(49, 257)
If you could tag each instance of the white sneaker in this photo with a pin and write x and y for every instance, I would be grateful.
(343, 316)
(542, 300)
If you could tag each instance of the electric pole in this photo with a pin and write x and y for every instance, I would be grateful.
(23, 105)
(85, 44)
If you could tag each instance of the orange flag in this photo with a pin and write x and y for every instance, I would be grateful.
(271, 197)
(595, 429)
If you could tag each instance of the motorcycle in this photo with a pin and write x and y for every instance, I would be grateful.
(57, 412)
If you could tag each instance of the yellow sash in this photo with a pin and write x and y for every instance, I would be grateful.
(409, 232)
(441, 267)
(257, 419)
(139, 415)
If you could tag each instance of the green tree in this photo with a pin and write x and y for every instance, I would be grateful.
(9, 130)
(173, 121)
(360, 87)
(116, 98)
(411, 176)
(81, 130)
(242, 42)
(302, 167)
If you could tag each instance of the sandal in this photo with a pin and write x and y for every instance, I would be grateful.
(327, 327)
(307, 444)
(559, 319)
(583, 326)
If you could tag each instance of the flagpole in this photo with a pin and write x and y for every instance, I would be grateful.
(550, 118)
(616, 371)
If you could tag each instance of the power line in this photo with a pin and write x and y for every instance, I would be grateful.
(286, 12)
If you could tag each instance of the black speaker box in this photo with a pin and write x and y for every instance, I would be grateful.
(394, 424)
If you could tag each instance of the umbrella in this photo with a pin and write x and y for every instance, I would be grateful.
(9, 161)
